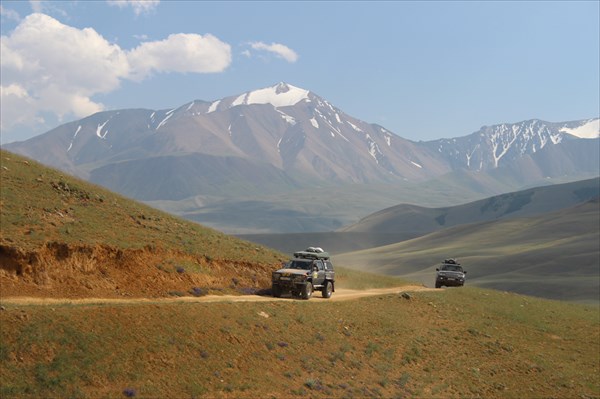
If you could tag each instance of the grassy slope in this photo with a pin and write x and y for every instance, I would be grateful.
(62, 236)
(448, 343)
(555, 255)
(40, 204)
(404, 222)
(539, 200)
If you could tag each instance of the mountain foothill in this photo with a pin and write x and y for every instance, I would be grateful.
(282, 166)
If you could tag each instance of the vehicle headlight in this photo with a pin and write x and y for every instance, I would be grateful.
(300, 278)
(276, 276)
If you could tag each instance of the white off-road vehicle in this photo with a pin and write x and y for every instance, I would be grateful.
(308, 271)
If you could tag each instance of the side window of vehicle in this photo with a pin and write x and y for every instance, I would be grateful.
(320, 265)
(328, 265)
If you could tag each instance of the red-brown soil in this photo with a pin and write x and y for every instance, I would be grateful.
(59, 270)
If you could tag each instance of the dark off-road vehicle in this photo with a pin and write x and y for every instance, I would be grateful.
(308, 271)
(450, 274)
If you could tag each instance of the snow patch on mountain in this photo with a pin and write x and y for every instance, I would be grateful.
(289, 119)
(169, 114)
(589, 130)
(99, 130)
(314, 122)
(354, 126)
(374, 150)
(213, 106)
(280, 95)
(73, 139)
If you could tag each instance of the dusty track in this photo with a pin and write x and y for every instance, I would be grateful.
(340, 294)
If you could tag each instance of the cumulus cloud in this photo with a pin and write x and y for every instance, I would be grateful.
(279, 50)
(180, 53)
(51, 67)
(138, 6)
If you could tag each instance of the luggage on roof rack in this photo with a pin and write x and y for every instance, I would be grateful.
(451, 261)
(312, 253)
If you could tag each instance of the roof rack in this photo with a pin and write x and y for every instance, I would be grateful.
(311, 255)
(451, 261)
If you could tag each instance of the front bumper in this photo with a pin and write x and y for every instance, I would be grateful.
(450, 281)
(291, 283)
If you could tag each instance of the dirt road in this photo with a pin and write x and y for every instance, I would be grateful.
(340, 294)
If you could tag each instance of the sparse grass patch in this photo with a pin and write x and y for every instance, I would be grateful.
(361, 280)
(157, 348)
(371, 348)
(70, 210)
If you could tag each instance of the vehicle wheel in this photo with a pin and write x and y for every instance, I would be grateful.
(276, 291)
(327, 290)
(307, 290)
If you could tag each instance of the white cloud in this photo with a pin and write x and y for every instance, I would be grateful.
(180, 52)
(279, 50)
(49, 67)
(138, 6)
(17, 107)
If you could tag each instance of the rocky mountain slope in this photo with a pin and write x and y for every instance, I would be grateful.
(284, 138)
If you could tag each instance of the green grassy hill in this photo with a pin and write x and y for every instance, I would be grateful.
(64, 237)
(405, 218)
(405, 221)
(555, 255)
(444, 344)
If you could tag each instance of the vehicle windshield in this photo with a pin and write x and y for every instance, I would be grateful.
(452, 268)
(295, 264)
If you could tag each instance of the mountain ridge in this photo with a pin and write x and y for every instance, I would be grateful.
(299, 141)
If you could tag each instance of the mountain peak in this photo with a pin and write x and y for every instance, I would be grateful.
(279, 95)
(281, 87)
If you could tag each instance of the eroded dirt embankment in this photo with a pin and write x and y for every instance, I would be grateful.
(58, 270)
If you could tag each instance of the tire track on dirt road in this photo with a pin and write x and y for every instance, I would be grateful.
(341, 294)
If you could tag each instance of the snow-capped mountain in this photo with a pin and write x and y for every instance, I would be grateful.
(503, 144)
(282, 138)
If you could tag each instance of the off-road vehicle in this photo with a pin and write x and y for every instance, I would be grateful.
(450, 274)
(310, 270)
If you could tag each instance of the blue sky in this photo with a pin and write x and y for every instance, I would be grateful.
(424, 70)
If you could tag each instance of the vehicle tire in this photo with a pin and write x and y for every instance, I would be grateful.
(327, 290)
(276, 290)
(307, 290)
